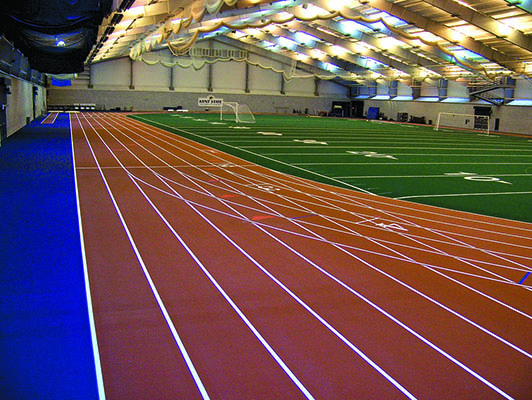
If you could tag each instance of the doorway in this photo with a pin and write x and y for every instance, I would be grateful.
(357, 109)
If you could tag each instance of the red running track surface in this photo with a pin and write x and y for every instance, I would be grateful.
(211, 277)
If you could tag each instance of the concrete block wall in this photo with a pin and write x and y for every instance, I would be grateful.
(20, 107)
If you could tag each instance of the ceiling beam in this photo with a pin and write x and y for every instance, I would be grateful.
(484, 22)
(334, 40)
(355, 64)
(404, 54)
(447, 34)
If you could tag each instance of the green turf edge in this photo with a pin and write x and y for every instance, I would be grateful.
(250, 156)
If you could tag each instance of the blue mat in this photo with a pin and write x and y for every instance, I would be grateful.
(45, 342)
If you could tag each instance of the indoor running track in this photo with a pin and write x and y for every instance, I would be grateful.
(211, 277)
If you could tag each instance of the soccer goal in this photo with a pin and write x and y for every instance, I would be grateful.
(240, 113)
(463, 121)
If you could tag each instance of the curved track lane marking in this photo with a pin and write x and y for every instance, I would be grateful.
(454, 360)
(454, 280)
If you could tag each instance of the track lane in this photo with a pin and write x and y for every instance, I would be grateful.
(131, 330)
(214, 216)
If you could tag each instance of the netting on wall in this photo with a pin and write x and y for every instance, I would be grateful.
(191, 61)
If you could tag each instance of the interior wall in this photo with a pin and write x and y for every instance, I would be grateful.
(157, 86)
(513, 119)
(226, 76)
(136, 100)
(523, 89)
(20, 104)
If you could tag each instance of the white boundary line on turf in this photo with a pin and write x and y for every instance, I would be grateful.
(265, 157)
(94, 338)
(350, 289)
(458, 195)
(366, 146)
(416, 176)
(414, 163)
(175, 334)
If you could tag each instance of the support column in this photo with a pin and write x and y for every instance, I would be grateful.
(171, 87)
(90, 85)
(282, 84)
(316, 85)
(131, 74)
(247, 79)
(210, 66)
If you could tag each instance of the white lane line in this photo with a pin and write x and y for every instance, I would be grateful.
(263, 156)
(94, 338)
(374, 305)
(254, 330)
(287, 290)
(463, 260)
(155, 292)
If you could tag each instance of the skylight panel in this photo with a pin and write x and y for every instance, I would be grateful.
(287, 43)
(349, 27)
(305, 39)
(467, 54)
(330, 67)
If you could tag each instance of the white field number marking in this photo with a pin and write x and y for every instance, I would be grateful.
(372, 154)
(310, 141)
(471, 176)
(270, 133)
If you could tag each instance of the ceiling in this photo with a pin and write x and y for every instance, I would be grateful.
(354, 40)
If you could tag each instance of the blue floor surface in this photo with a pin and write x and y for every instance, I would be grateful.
(45, 340)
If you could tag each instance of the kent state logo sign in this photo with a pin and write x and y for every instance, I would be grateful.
(209, 101)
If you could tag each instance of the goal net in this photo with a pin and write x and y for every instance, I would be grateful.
(240, 113)
(463, 121)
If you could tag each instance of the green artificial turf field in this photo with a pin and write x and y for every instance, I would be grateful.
(462, 170)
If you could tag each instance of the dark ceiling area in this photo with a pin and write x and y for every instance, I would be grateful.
(55, 35)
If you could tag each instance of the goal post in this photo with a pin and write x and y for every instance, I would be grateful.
(463, 121)
(239, 113)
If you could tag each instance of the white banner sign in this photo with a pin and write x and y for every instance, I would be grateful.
(209, 101)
